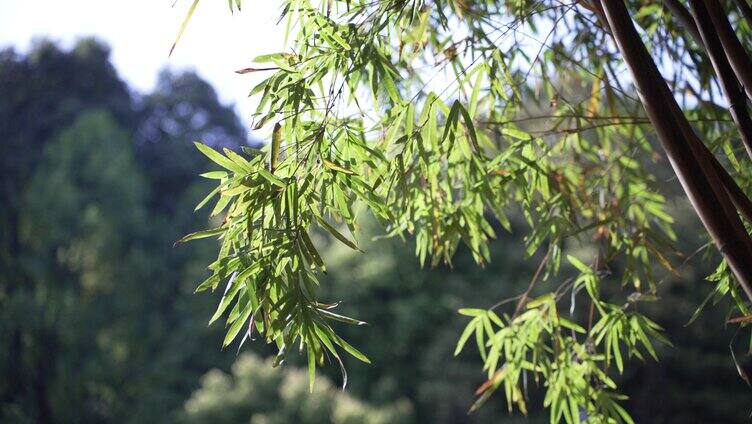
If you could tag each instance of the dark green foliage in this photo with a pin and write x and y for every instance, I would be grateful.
(42, 93)
(81, 263)
(96, 309)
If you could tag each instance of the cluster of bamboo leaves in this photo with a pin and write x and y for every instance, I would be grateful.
(538, 343)
(441, 118)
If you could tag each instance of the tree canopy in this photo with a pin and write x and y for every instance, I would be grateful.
(90, 290)
(441, 118)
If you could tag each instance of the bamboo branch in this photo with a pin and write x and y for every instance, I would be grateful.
(697, 175)
(524, 297)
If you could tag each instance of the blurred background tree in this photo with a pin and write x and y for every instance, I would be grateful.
(96, 305)
(256, 392)
(98, 322)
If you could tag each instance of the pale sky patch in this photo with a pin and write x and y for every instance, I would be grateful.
(140, 33)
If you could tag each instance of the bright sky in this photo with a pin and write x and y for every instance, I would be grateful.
(140, 33)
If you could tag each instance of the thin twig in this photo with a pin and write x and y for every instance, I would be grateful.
(526, 294)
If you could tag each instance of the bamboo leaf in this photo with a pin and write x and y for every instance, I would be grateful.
(236, 326)
(218, 158)
(311, 367)
(465, 336)
(271, 178)
(202, 234)
(579, 264)
(340, 318)
(470, 127)
(276, 142)
(334, 167)
(184, 24)
(518, 134)
(331, 230)
(351, 350)
(214, 175)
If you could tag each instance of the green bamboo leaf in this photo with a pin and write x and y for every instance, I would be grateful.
(231, 192)
(637, 326)
(617, 353)
(218, 158)
(331, 230)
(227, 299)
(342, 203)
(237, 159)
(472, 312)
(311, 366)
(480, 340)
(465, 336)
(334, 167)
(622, 413)
(546, 298)
(579, 265)
(571, 325)
(202, 234)
(700, 308)
(251, 151)
(214, 175)
(470, 127)
(292, 202)
(351, 350)
(207, 198)
(339, 40)
(451, 120)
(221, 205)
(271, 57)
(210, 282)
(312, 250)
(340, 318)
(237, 325)
(276, 142)
(391, 88)
(326, 340)
(271, 178)
(575, 408)
(184, 24)
(473, 103)
(515, 133)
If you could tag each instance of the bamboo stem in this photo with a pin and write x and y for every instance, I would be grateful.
(746, 10)
(697, 174)
(684, 18)
(729, 83)
(732, 47)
